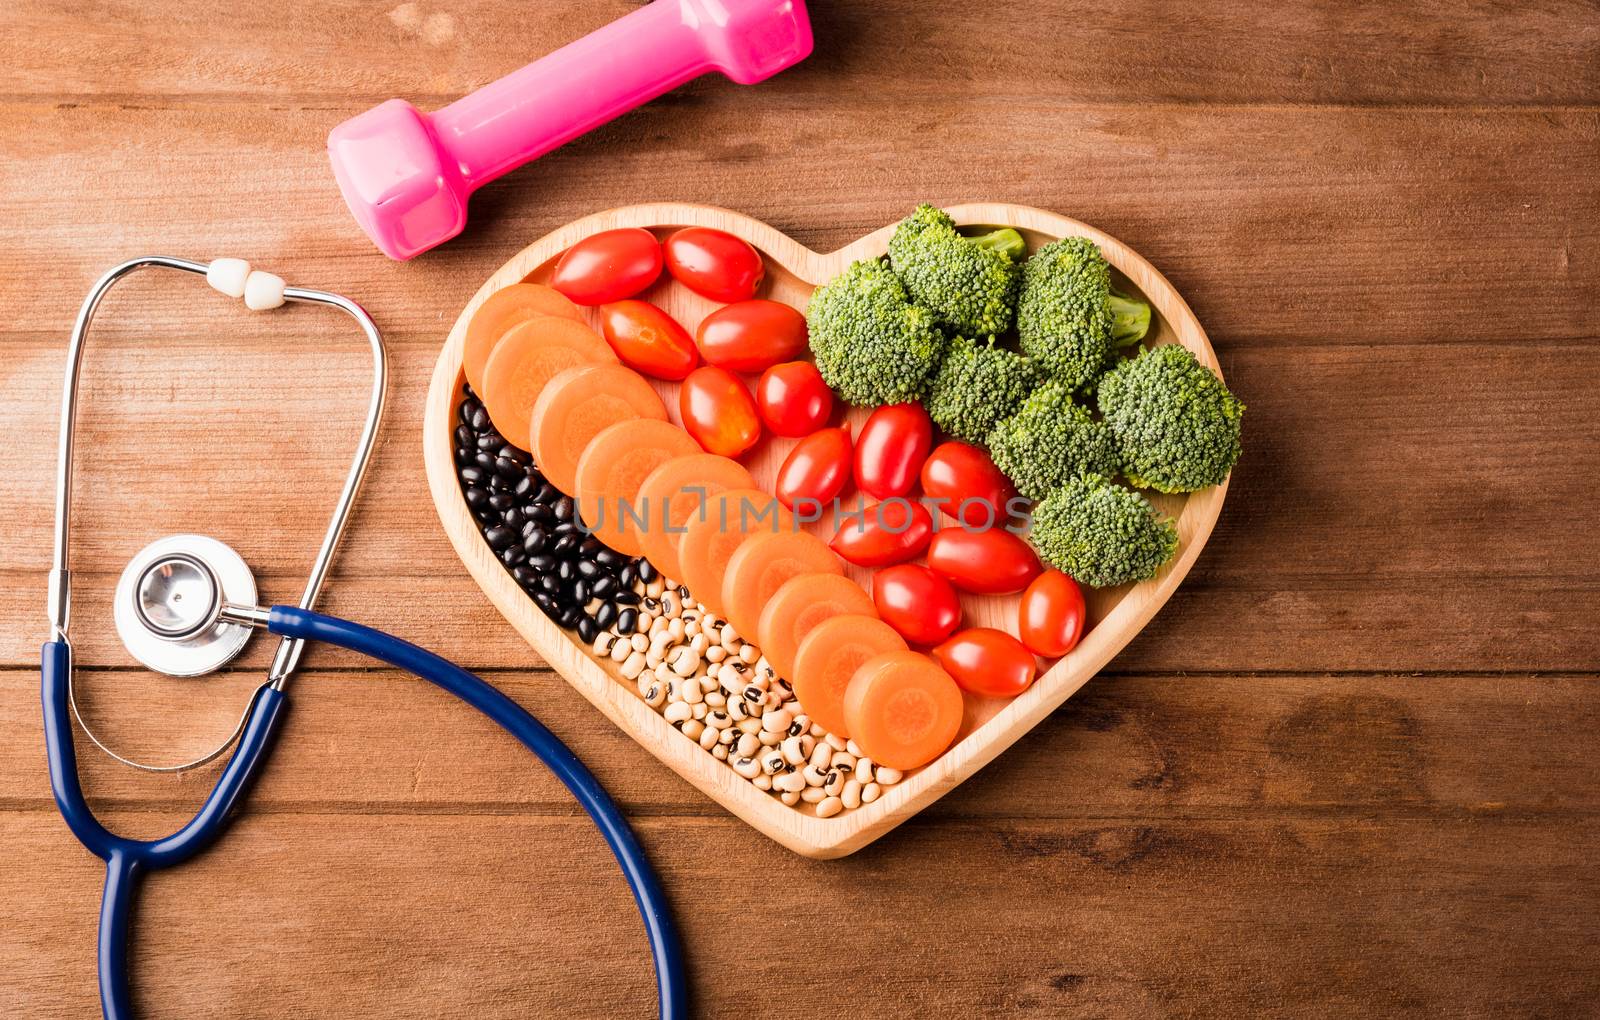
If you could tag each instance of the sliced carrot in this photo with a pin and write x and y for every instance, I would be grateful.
(528, 357)
(505, 308)
(675, 493)
(610, 470)
(902, 709)
(710, 539)
(829, 656)
(760, 566)
(798, 607)
(575, 405)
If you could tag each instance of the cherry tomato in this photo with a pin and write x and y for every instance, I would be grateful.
(988, 662)
(915, 601)
(608, 266)
(648, 339)
(718, 411)
(891, 448)
(884, 534)
(713, 263)
(818, 468)
(966, 486)
(752, 335)
(1051, 615)
(793, 399)
(990, 562)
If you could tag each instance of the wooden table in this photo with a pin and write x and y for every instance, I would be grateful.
(1349, 770)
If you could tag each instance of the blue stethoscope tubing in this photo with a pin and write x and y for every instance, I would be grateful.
(126, 859)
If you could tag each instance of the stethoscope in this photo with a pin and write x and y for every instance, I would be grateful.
(186, 605)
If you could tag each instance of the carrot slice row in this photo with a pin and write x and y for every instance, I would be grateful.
(902, 709)
(760, 566)
(675, 493)
(828, 658)
(505, 308)
(798, 607)
(710, 540)
(575, 406)
(526, 358)
(611, 469)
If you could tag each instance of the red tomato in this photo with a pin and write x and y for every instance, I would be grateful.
(648, 339)
(965, 485)
(891, 448)
(1051, 615)
(713, 263)
(752, 335)
(608, 266)
(884, 534)
(918, 603)
(991, 562)
(818, 468)
(793, 399)
(718, 411)
(988, 662)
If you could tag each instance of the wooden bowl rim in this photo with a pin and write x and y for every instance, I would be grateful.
(802, 833)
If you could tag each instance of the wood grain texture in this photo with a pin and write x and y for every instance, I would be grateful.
(1388, 219)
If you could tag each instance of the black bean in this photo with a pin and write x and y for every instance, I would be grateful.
(483, 460)
(647, 571)
(502, 500)
(606, 615)
(545, 602)
(471, 475)
(464, 412)
(512, 555)
(547, 494)
(540, 512)
(499, 537)
(523, 487)
(480, 419)
(511, 453)
(580, 591)
(569, 528)
(533, 538)
(549, 584)
(603, 586)
(476, 497)
(589, 568)
(464, 436)
(565, 509)
(524, 576)
(565, 544)
(570, 617)
(490, 442)
(513, 518)
(625, 576)
(588, 630)
(508, 469)
(542, 563)
(626, 597)
(627, 620)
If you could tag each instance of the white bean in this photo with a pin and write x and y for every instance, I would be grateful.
(835, 741)
(762, 782)
(748, 653)
(777, 720)
(621, 650)
(720, 752)
(769, 738)
(788, 798)
(812, 794)
(851, 797)
(850, 745)
(870, 792)
(693, 729)
(789, 782)
(888, 776)
(708, 736)
(864, 770)
(639, 642)
(821, 756)
(678, 712)
(829, 806)
(716, 654)
(633, 665)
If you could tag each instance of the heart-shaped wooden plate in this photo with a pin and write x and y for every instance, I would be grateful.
(990, 726)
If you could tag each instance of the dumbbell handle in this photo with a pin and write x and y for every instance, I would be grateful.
(572, 91)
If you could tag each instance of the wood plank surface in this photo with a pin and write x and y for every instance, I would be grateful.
(1346, 772)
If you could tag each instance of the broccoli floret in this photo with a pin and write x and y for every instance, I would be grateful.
(872, 345)
(969, 283)
(1102, 534)
(976, 386)
(1175, 423)
(1067, 315)
(1049, 441)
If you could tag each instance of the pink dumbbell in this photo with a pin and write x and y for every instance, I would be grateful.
(406, 175)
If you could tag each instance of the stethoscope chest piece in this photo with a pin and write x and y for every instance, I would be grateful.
(169, 604)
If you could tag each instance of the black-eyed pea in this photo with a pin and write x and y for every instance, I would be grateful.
(620, 651)
(692, 692)
(789, 782)
(792, 752)
(716, 654)
(700, 711)
(821, 755)
(708, 738)
(777, 720)
(850, 745)
(693, 729)
(762, 782)
(746, 766)
(718, 720)
(715, 698)
(749, 726)
(653, 691)
(844, 761)
(888, 776)
(813, 795)
(772, 762)
(833, 782)
(720, 752)
(728, 636)
(814, 776)
(639, 643)
(851, 795)
(817, 731)
(749, 654)
(870, 792)
(633, 665)
(836, 742)
(748, 745)
(864, 771)
(602, 643)
(677, 712)
(827, 807)
(728, 736)
(788, 798)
